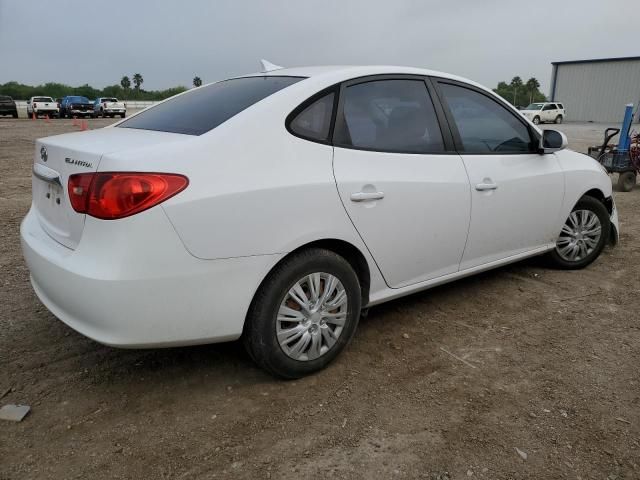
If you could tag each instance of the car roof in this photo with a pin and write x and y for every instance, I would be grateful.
(346, 72)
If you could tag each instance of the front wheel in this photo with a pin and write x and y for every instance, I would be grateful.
(583, 235)
(536, 120)
(304, 314)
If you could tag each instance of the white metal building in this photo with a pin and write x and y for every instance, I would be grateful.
(596, 90)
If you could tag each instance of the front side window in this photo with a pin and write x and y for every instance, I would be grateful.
(483, 124)
(534, 106)
(314, 121)
(390, 116)
(203, 109)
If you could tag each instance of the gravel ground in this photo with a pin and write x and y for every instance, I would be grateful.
(518, 373)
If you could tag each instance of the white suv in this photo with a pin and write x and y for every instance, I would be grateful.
(544, 112)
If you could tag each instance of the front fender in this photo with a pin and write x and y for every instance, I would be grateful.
(582, 174)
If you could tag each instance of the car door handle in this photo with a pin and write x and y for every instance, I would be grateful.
(364, 196)
(481, 187)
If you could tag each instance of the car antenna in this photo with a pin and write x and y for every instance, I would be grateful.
(267, 66)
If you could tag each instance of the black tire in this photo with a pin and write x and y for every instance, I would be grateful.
(598, 208)
(626, 181)
(15, 114)
(536, 120)
(558, 119)
(259, 335)
(122, 115)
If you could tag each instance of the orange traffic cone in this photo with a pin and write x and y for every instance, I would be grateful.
(84, 125)
(33, 115)
(46, 118)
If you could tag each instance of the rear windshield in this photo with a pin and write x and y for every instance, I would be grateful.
(43, 99)
(4, 98)
(109, 100)
(203, 109)
(79, 99)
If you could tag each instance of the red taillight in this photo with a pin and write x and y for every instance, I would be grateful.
(112, 195)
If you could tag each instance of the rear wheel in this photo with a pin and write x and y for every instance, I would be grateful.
(558, 119)
(583, 236)
(304, 313)
(15, 114)
(626, 181)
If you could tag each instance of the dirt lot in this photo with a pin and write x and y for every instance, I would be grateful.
(444, 384)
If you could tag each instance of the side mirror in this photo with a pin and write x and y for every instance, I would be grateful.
(552, 141)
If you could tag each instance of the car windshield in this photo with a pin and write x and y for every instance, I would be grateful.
(203, 109)
(535, 106)
(43, 99)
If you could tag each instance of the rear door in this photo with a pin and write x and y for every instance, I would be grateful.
(404, 188)
(549, 112)
(516, 193)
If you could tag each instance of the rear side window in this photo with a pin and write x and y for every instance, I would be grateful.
(483, 124)
(550, 106)
(314, 121)
(390, 116)
(203, 109)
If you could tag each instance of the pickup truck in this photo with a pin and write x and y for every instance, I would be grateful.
(42, 106)
(8, 106)
(76, 106)
(109, 107)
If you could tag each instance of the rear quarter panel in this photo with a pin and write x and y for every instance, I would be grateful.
(254, 189)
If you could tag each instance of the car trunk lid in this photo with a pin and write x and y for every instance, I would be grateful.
(57, 158)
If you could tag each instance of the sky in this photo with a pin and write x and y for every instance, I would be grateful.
(170, 41)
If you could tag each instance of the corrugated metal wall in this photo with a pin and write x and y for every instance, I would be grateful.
(598, 91)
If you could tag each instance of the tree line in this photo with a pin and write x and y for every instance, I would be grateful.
(127, 89)
(521, 93)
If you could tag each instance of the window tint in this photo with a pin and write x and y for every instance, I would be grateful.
(203, 109)
(390, 116)
(314, 121)
(484, 125)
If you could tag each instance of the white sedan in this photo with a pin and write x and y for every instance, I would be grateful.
(277, 206)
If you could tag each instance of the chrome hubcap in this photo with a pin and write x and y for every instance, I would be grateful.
(312, 316)
(579, 236)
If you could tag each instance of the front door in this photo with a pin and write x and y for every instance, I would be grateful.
(405, 192)
(516, 193)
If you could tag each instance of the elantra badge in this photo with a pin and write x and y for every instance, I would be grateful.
(43, 154)
(80, 163)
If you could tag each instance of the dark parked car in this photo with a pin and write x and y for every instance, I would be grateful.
(76, 106)
(8, 106)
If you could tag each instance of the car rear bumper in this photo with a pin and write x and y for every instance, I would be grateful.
(131, 283)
